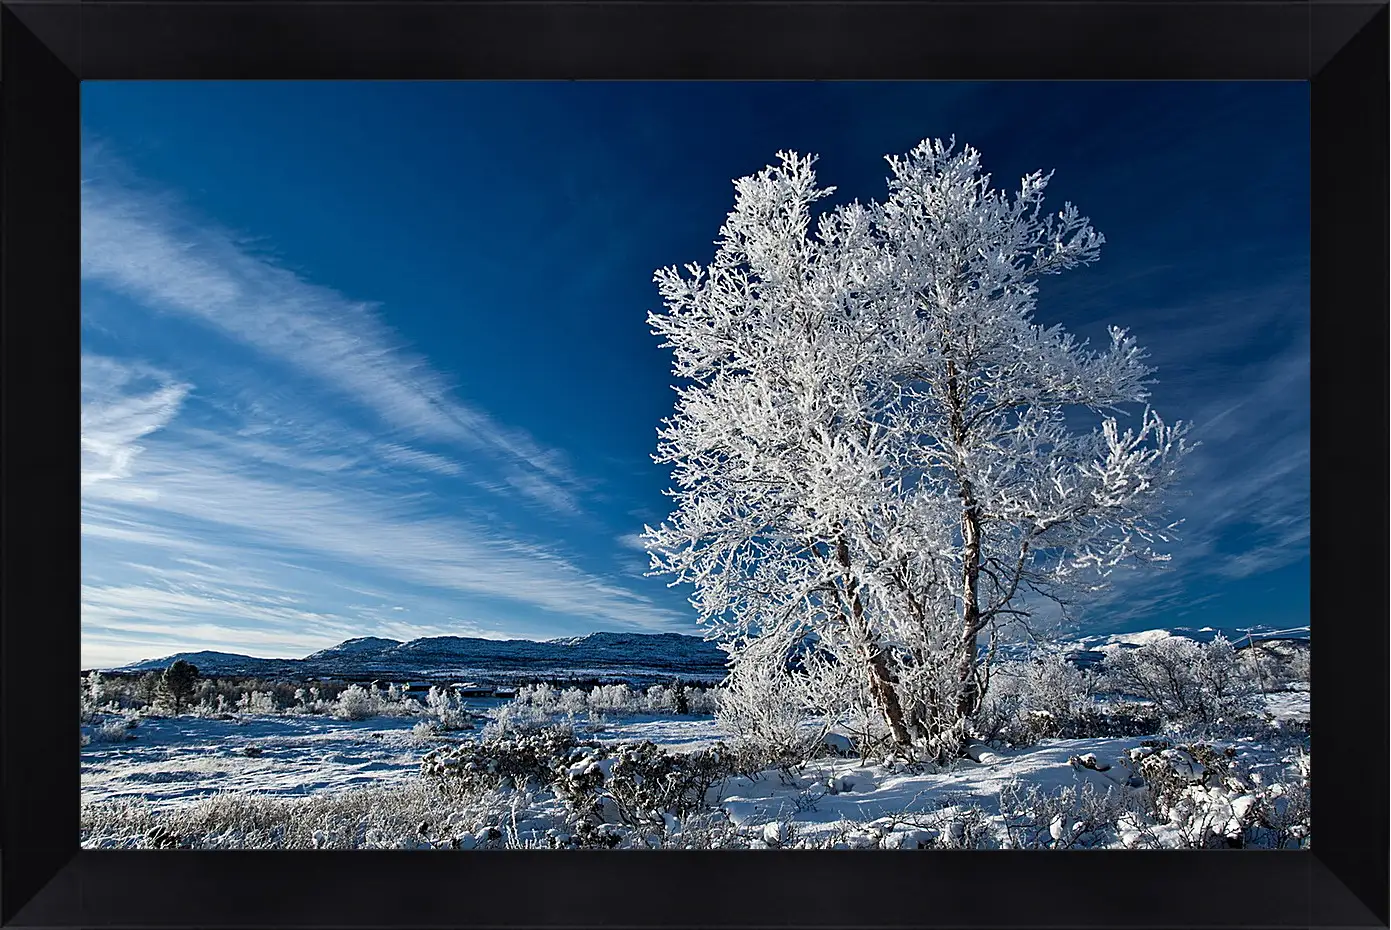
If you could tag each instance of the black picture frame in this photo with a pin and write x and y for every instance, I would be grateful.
(48, 47)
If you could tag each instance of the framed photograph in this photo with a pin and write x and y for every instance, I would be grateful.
(693, 464)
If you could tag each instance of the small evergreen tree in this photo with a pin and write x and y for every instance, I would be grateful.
(147, 688)
(177, 683)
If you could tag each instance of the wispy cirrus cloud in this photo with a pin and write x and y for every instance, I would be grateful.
(115, 418)
(137, 244)
(632, 541)
(220, 499)
(1245, 495)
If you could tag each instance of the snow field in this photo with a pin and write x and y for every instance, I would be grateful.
(187, 766)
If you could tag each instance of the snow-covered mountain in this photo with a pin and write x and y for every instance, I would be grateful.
(1204, 635)
(1088, 650)
(638, 657)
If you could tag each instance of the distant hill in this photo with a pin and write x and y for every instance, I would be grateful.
(637, 657)
(1084, 651)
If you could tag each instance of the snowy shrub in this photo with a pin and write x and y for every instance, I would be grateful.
(1198, 798)
(955, 823)
(311, 701)
(355, 703)
(572, 702)
(648, 785)
(447, 708)
(612, 699)
(1049, 697)
(94, 695)
(540, 705)
(543, 696)
(656, 795)
(966, 828)
(257, 702)
(1280, 816)
(660, 699)
(1168, 771)
(509, 761)
(1187, 682)
(1276, 665)
(1055, 686)
(427, 730)
(361, 703)
(702, 700)
(762, 705)
(517, 718)
(634, 787)
(1000, 717)
(1072, 818)
(1032, 699)
(114, 730)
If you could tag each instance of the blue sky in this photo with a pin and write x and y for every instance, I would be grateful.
(371, 359)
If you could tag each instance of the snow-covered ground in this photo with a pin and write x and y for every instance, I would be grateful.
(172, 761)
(1288, 705)
(175, 759)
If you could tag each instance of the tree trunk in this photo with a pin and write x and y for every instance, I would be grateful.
(968, 696)
(881, 679)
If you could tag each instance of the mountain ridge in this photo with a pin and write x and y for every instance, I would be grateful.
(637, 657)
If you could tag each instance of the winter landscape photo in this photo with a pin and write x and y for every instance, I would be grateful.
(860, 466)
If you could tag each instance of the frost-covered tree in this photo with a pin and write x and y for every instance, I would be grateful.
(876, 450)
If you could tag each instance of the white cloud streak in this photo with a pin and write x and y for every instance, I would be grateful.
(220, 503)
(135, 244)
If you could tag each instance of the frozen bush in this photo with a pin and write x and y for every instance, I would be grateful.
(659, 700)
(572, 702)
(648, 784)
(355, 703)
(762, 706)
(257, 702)
(541, 705)
(1072, 818)
(1187, 682)
(427, 730)
(1198, 798)
(94, 695)
(1049, 697)
(448, 709)
(114, 730)
(515, 718)
(508, 761)
(702, 700)
(612, 699)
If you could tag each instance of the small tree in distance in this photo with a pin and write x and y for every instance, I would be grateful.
(874, 450)
(177, 683)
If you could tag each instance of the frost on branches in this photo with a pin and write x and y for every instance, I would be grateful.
(874, 447)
